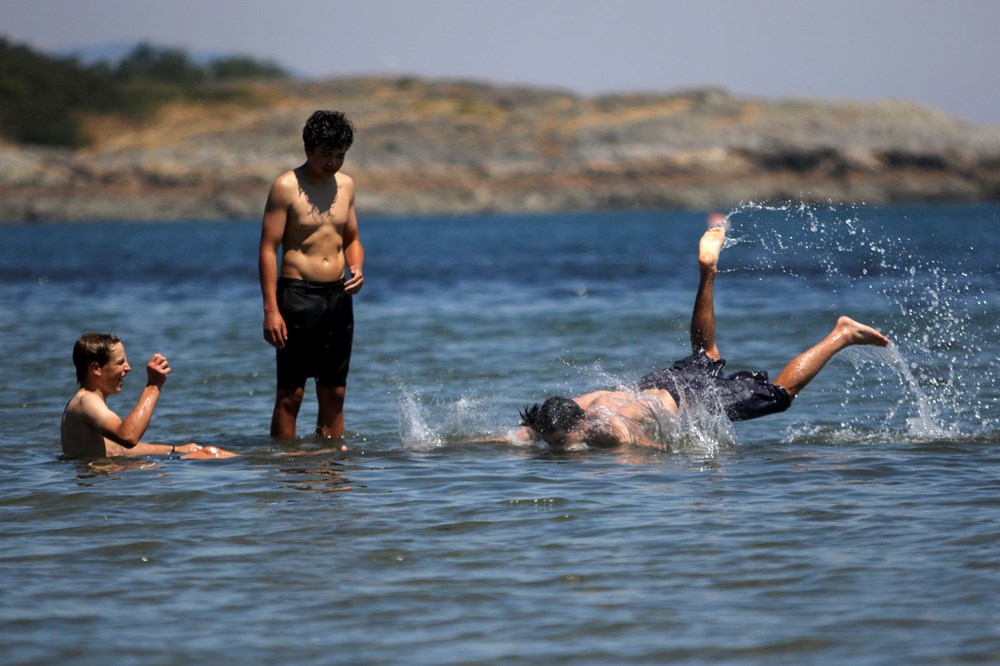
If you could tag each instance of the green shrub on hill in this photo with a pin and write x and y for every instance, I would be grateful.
(44, 98)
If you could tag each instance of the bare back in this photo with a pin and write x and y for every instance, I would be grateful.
(80, 439)
(615, 418)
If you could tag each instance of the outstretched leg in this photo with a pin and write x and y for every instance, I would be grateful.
(703, 316)
(801, 370)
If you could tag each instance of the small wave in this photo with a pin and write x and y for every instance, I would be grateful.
(853, 435)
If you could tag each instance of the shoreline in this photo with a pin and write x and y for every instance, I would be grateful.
(453, 147)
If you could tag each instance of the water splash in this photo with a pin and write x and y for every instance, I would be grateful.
(936, 313)
(926, 422)
(414, 429)
(697, 429)
(426, 424)
(436, 423)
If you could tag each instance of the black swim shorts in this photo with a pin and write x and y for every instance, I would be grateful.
(743, 395)
(320, 321)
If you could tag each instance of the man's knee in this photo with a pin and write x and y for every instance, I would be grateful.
(331, 396)
(289, 398)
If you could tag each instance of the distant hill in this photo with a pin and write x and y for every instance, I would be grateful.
(455, 146)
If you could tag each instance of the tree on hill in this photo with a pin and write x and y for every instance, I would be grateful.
(43, 99)
(165, 65)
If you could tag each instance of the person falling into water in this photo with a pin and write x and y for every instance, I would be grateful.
(613, 418)
(308, 310)
(89, 428)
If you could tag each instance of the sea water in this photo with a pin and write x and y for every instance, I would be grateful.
(860, 526)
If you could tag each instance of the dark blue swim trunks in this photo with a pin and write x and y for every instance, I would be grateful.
(743, 395)
(320, 321)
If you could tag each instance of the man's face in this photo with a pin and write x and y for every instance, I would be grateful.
(564, 439)
(325, 161)
(113, 372)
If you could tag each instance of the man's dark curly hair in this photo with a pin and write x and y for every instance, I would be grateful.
(328, 129)
(556, 413)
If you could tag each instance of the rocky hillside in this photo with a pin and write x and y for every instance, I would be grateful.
(439, 146)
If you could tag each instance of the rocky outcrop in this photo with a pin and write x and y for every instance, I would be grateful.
(443, 146)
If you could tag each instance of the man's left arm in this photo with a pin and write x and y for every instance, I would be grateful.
(354, 251)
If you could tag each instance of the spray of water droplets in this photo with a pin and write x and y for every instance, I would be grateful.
(937, 374)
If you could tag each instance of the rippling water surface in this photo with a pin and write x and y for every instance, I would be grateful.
(861, 526)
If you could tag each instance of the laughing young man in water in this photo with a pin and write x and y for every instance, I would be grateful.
(91, 430)
(613, 418)
(308, 312)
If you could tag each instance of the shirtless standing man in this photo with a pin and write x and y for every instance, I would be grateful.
(91, 430)
(613, 418)
(308, 311)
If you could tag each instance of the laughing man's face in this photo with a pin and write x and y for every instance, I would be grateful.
(113, 372)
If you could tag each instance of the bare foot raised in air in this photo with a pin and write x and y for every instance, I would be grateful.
(710, 245)
(856, 333)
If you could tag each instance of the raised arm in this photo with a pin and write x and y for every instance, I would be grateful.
(123, 436)
(90, 429)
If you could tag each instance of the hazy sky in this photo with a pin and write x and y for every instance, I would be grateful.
(942, 53)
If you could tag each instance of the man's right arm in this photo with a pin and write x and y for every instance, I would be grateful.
(121, 435)
(271, 235)
(521, 435)
(128, 432)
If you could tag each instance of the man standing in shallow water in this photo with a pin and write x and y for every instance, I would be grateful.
(308, 311)
(91, 430)
(613, 418)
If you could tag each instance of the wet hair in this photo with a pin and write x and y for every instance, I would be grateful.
(92, 348)
(556, 413)
(328, 129)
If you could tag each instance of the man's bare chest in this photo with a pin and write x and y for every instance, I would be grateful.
(305, 214)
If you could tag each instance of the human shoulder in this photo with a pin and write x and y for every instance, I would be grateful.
(284, 190)
(345, 183)
(90, 407)
(611, 400)
(588, 399)
(83, 401)
(608, 431)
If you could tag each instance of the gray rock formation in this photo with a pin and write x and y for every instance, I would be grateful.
(448, 147)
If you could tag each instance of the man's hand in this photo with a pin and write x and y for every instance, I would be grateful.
(356, 281)
(196, 452)
(157, 370)
(275, 331)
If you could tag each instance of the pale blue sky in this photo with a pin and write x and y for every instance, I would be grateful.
(941, 53)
